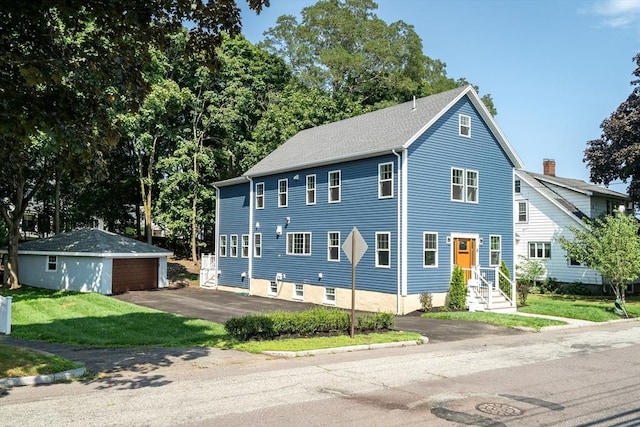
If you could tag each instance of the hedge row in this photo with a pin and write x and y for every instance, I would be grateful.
(319, 320)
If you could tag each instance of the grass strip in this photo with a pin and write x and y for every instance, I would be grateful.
(21, 362)
(499, 319)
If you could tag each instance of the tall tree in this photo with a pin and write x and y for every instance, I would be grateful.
(616, 154)
(61, 66)
(610, 246)
(224, 109)
(341, 46)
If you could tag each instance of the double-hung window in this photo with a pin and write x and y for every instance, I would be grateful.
(330, 296)
(464, 185)
(334, 186)
(523, 211)
(260, 195)
(223, 245)
(245, 246)
(234, 246)
(298, 243)
(311, 189)
(464, 125)
(333, 246)
(383, 249)
(540, 250)
(517, 186)
(283, 192)
(257, 245)
(495, 250)
(52, 263)
(430, 249)
(385, 180)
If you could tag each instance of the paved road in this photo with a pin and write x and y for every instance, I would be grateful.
(583, 376)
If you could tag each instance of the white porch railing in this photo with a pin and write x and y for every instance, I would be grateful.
(484, 289)
(208, 271)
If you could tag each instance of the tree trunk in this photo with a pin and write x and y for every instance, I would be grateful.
(56, 219)
(194, 209)
(12, 276)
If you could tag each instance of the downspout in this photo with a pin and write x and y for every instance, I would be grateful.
(398, 230)
(250, 268)
(217, 236)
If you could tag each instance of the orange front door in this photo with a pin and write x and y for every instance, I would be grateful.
(464, 254)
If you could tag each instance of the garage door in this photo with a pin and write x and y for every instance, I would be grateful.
(134, 274)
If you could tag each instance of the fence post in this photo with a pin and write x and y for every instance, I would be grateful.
(5, 315)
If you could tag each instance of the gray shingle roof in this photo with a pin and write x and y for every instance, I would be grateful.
(579, 185)
(367, 135)
(92, 241)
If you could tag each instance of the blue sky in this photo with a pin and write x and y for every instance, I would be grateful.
(555, 68)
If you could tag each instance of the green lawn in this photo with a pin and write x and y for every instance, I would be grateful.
(19, 362)
(499, 319)
(595, 309)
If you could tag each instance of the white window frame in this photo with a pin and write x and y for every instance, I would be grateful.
(259, 195)
(233, 246)
(223, 245)
(537, 246)
(425, 249)
(524, 203)
(460, 183)
(331, 246)
(52, 260)
(306, 243)
(457, 185)
(493, 250)
(298, 291)
(379, 250)
(382, 180)
(273, 287)
(329, 296)
(257, 245)
(284, 193)
(517, 186)
(469, 187)
(244, 251)
(464, 122)
(331, 186)
(310, 191)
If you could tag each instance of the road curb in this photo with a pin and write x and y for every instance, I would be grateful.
(348, 349)
(43, 379)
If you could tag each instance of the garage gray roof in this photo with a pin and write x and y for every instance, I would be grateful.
(92, 242)
(371, 134)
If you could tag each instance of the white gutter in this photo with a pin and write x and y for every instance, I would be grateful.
(250, 268)
(405, 219)
(398, 221)
(217, 236)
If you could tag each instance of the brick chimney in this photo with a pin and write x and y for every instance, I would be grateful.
(549, 167)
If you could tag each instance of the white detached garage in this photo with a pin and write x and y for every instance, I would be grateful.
(92, 260)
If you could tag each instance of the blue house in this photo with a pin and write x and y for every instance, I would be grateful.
(428, 184)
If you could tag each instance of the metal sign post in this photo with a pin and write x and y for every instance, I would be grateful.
(354, 247)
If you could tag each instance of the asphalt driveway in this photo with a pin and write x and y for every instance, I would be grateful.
(220, 306)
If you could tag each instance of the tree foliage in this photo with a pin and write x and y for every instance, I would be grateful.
(457, 289)
(610, 246)
(62, 65)
(342, 47)
(616, 154)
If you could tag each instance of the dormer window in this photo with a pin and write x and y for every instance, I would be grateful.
(464, 125)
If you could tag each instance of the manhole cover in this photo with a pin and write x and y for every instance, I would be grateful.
(499, 409)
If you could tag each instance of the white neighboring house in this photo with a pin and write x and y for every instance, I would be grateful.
(545, 207)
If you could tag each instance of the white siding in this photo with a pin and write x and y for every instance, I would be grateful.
(82, 274)
(546, 222)
(579, 200)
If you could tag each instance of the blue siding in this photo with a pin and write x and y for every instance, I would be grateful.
(430, 207)
(359, 207)
(234, 219)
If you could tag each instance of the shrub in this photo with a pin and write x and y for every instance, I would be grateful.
(550, 285)
(319, 320)
(457, 289)
(576, 288)
(504, 281)
(426, 301)
(523, 293)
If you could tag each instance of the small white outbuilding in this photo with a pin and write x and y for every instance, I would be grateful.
(92, 260)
